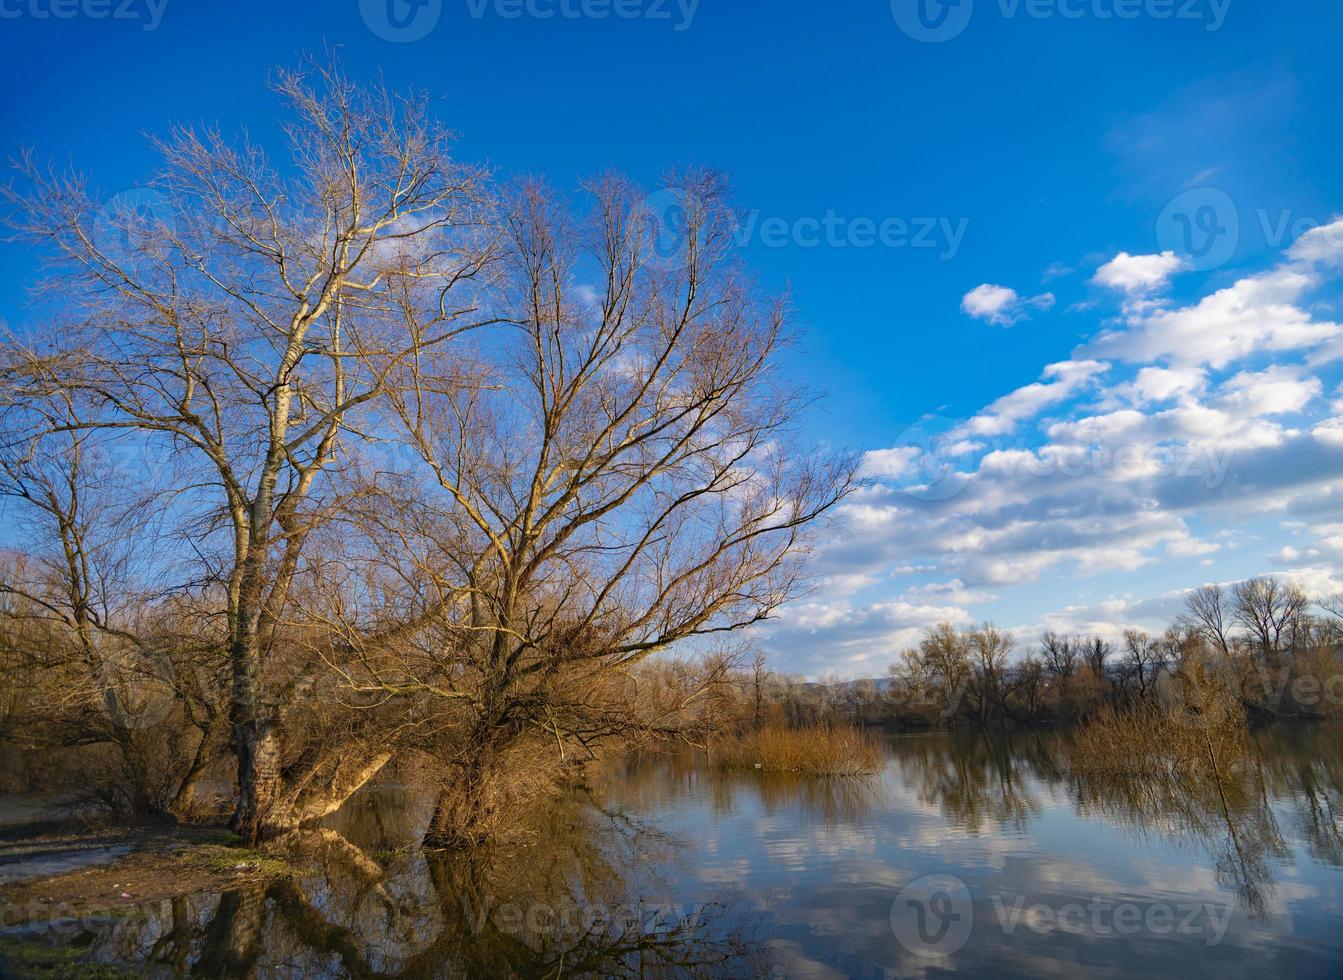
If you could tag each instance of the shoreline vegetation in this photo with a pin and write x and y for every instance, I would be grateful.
(817, 750)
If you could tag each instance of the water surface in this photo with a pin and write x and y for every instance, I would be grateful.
(966, 855)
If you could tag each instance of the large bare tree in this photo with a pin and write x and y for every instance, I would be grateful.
(248, 317)
(620, 477)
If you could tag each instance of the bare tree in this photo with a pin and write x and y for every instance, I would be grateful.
(759, 681)
(1270, 611)
(1144, 660)
(944, 663)
(1061, 655)
(989, 651)
(1208, 617)
(1096, 652)
(1029, 684)
(250, 325)
(618, 480)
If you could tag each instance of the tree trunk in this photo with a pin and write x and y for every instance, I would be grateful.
(255, 738)
(185, 796)
(462, 814)
(256, 817)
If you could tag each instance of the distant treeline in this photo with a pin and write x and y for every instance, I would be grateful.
(1260, 639)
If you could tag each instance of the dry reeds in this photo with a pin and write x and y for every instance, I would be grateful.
(820, 750)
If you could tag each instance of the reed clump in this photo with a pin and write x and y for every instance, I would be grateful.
(817, 750)
(1195, 727)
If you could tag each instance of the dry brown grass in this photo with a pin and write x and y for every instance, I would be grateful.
(821, 750)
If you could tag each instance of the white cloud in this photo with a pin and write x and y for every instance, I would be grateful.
(1062, 381)
(1002, 306)
(892, 463)
(1155, 384)
(1138, 274)
(1258, 314)
(1323, 244)
(1207, 422)
(1279, 390)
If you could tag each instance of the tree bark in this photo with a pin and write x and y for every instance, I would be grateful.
(255, 738)
(462, 812)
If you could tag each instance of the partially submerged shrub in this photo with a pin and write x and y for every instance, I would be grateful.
(1196, 726)
(820, 750)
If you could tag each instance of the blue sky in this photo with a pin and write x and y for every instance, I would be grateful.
(974, 233)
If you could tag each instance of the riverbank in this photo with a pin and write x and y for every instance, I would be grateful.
(69, 874)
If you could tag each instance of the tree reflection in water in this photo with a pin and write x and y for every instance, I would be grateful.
(579, 900)
(979, 782)
(587, 894)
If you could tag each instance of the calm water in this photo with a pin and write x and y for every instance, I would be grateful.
(966, 855)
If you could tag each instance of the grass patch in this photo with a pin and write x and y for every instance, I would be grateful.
(219, 835)
(239, 861)
(38, 961)
(820, 750)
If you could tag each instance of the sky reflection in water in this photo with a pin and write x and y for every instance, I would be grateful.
(965, 855)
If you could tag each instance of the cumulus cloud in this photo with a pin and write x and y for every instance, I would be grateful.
(1002, 306)
(1060, 382)
(1161, 442)
(1139, 274)
(1258, 314)
(1323, 244)
(1279, 390)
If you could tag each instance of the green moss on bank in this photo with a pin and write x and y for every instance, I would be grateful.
(35, 960)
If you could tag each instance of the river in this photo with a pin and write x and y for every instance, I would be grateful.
(966, 854)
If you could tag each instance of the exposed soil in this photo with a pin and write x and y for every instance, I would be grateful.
(63, 876)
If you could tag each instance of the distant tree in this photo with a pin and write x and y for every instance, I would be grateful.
(1061, 656)
(1270, 612)
(1207, 616)
(1144, 660)
(989, 650)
